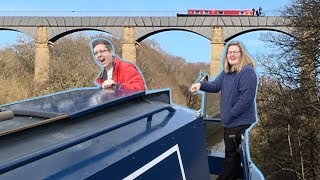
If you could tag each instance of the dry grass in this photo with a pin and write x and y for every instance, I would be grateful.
(13, 89)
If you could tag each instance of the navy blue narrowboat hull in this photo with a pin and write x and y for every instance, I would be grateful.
(90, 133)
(103, 135)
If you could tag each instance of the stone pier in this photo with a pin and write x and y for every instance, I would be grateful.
(41, 69)
(217, 46)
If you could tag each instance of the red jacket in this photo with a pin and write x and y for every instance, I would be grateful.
(126, 74)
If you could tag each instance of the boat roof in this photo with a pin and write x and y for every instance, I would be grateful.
(102, 129)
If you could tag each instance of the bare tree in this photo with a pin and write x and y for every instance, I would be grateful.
(289, 101)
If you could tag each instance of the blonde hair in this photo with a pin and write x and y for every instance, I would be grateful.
(245, 58)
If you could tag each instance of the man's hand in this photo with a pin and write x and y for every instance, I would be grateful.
(107, 84)
(195, 87)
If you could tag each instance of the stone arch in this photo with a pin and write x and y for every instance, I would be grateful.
(28, 33)
(58, 36)
(256, 29)
(146, 35)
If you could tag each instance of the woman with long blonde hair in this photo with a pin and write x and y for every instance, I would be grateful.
(238, 86)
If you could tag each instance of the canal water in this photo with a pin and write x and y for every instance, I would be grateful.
(214, 137)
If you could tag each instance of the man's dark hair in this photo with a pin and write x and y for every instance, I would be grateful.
(107, 43)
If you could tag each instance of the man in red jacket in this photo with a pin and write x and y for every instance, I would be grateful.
(115, 72)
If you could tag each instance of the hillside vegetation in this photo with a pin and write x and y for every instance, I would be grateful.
(72, 66)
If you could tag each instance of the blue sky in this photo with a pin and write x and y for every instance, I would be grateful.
(190, 46)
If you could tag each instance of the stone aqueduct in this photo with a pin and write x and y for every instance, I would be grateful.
(218, 30)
